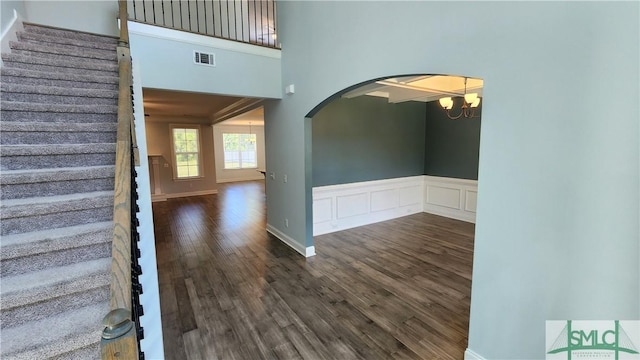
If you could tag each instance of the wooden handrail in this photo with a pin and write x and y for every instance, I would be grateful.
(119, 335)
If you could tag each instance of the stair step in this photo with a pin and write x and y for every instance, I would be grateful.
(64, 80)
(22, 133)
(21, 111)
(56, 335)
(57, 40)
(68, 34)
(52, 291)
(38, 242)
(22, 157)
(59, 108)
(62, 66)
(19, 184)
(34, 214)
(63, 51)
(57, 95)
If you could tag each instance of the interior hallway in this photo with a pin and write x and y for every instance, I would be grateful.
(229, 290)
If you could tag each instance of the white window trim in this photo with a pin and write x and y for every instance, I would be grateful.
(222, 133)
(173, 152)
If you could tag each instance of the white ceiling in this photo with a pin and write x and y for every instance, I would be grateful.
(422, 88)
(163, 105)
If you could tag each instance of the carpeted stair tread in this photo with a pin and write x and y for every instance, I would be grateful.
(96, 80)
(56, 117)
(45, 284)
(66, 50)
(55, 65)
(57, 90)
(17, 184)
(69, 34)
(55, 335)
(50, 212)
(36, 242)
(15, 126)
(30, 37)
(50, 292)
(56, 149)
(59, 108)
(15, 208)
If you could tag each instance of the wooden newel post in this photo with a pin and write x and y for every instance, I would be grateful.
(119, 336)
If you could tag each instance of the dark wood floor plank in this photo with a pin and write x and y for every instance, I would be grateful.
(229, 290)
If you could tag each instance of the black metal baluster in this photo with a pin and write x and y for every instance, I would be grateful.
(173, 23)
(153, 7)
(163, 22)
(235, 21)
(197, 16)
(242, 18)
(228, 24)
(220, 11)
(135, 15)
(261, 24)
(275, 23)
(255, 20)
(268, 26)
(205, 17)
(189, 8)
(144, 10)
(181, 24)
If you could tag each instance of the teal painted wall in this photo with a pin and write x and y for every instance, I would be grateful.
(451, 146)
(366, 138)
(558, 184)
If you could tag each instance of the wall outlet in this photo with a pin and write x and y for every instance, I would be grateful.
(286, 222)
(285, 177)
(272, 175)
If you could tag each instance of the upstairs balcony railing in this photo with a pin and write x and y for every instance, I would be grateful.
(248, 21)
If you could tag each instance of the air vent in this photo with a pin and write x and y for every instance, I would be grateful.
(204, 58)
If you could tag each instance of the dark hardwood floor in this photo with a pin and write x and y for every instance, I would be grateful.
(229, 290)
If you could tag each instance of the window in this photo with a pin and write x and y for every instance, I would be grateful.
(240, 151)
(186, 151)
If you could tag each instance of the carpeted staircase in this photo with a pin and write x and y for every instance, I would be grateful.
(58, 119)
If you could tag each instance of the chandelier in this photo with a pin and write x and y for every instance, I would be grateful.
(469, 104)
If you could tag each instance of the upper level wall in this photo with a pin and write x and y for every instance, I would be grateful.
(167, 62)
(99, 17)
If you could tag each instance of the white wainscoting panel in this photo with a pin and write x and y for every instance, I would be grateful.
(340, 207)
(453, 198)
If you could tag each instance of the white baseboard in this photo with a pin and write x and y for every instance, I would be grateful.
(452, 198)
(305, 251)
(10, 33)
(345, 206)
(471, 355)
(164, 197)
(248, 178)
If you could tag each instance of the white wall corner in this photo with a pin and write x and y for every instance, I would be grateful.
(305, 251)
(10, 33)
(472, 355)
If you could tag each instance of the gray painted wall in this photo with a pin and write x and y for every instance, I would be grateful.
(6, 12)
(366, 138)
(451, 146)
(558, 220)
(168, 64)
(95, 16)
